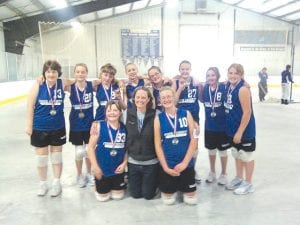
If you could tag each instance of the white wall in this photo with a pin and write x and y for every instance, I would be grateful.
(205, 39)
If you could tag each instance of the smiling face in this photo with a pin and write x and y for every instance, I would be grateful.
(185, 70)
(155, 76)
(131, 71)
(80, 73)
(211, 77)
(113, 113)
(167, 98)
(51, 75)
(235, 74)
(141, 99)
(106, 78)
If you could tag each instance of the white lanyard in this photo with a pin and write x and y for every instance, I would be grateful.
(52, 100)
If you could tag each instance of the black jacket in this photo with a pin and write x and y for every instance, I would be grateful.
(140, 145)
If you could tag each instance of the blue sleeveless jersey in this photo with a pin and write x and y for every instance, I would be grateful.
(234, 113)
(108, 162)
(130, 90)
(216, 123)
(86, 104)
(42, 120)
(174, 154)
(158, 105)
(102, 99)
(188, 99)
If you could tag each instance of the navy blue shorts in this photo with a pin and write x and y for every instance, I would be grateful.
(106, 184)
(216, 140)
(79, 137)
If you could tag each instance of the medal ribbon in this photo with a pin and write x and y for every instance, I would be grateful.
(111, 137)
(105, 92)
(52, 100)
(173, 125)
(78, 96)
(210, 98)
(230, 89)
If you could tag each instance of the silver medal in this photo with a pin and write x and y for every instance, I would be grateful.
(213, 114)
(175, 141)
(113, 152)
(52, 112)
(81, 115)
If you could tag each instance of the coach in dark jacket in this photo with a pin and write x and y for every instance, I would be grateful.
(142, 161)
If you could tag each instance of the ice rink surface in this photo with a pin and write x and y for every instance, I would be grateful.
(276, 200)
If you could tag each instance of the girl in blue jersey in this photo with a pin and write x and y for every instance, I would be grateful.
(157, 82)
(240, 128)
(133, 82)
(81, 118)
(106, 150)
(108, 89)
(175, 146)
(187, 95)
(215, 136)
(46, 125)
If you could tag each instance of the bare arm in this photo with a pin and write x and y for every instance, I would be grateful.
(32, 97)
(121, 168)
(245, 100)
(179, 90)
(159, 150)
(192, 146)
(92, 148)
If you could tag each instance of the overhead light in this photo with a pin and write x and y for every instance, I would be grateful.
(76, 24)
(59, 4)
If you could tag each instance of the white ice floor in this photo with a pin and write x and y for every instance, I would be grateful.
(276, 200)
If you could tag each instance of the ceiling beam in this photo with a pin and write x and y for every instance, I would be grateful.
(288, 14)
(15, 10)
(21, 29)
(281, 6)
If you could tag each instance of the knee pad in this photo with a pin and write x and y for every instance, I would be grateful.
(235, 153)
(56, 157)
(212, 151)
(223, 153)
(168, 200)
(117, 195)
(246, 156)
(42, 160)
(102, 197)
(80, 152)
(190, 200)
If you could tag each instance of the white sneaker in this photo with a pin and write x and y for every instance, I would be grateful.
(222, 180)
(81, 181)
(244, 188)
(197, 178)
(234, 184)
(90, 179)
(43, 189)
(211, 177)
(55, 189)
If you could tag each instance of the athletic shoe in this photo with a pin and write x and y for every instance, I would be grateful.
(81, 181)
(222, 180)
(43, 189)
(55, 189)
(234, 184)
(197, 178)
(90, 179)
(211, 177)
(244, 188)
